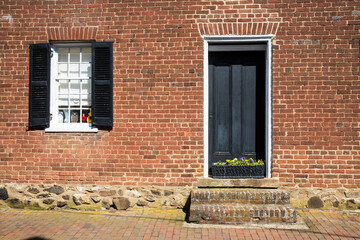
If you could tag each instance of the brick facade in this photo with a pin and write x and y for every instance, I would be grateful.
(157, 136)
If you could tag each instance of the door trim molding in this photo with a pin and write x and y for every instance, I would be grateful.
(219, 40)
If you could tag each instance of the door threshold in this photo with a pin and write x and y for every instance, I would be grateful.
(238, 183)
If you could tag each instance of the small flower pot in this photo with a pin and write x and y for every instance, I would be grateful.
(238, 171)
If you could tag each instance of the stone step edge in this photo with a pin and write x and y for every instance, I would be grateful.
(233, 204)
(218, 213)
(267, 183)
(241, 196)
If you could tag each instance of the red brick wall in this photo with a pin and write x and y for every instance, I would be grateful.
(317, 94)
(157, 136)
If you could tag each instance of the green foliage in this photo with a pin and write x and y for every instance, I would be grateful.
(241, 161)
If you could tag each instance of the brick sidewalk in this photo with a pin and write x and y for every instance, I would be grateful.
(159, 224)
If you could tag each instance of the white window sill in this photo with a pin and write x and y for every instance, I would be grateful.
(72, 128)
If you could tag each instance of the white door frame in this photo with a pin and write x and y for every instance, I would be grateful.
(218, 40)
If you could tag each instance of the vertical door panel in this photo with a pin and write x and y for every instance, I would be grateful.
(249, 110)
(222, 110)
(236, 109)
(211, 114)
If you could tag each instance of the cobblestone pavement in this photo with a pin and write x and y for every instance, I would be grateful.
(160, 224)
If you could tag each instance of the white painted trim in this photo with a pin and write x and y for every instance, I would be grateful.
(237, 48)
(268, 107)
(237, 38)
(206, 109)
(268, 85)
(76, 127)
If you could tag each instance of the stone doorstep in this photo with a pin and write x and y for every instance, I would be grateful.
(245, 196)
(238, 183)
(241, 214)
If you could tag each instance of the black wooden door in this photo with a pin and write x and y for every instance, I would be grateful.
(237, 105)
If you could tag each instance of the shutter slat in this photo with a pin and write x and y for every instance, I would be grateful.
(39, 86)
(102, 84)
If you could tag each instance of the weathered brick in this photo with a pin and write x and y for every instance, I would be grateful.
(241, 214)
(240, 196)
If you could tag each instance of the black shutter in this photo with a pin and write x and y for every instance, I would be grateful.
(102, 84)
(39, 86)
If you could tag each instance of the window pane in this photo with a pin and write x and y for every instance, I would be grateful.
(63, 54)
(63, 100)
(75, 87)
(74, 55)
(86, 55)
(74, 70)
(74, 100)
(62, 70)
(63, 116)
(63, 87)
(86, 87)
(75, 116)
(86, 100)
(85, 70)
(85, 114)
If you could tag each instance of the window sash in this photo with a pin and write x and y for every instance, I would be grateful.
(55, 95)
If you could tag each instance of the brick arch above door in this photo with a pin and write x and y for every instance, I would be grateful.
(225, 28)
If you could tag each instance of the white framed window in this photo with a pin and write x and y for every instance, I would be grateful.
(66, 81)
(70, 88)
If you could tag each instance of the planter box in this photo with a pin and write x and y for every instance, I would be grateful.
(238, 171)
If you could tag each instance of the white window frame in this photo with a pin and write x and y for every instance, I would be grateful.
(55, 126)
(233, 39)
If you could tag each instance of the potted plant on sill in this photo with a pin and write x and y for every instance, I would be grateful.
(239, 168)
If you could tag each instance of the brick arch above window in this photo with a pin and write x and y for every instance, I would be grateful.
(71, 33)
(250, 28)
